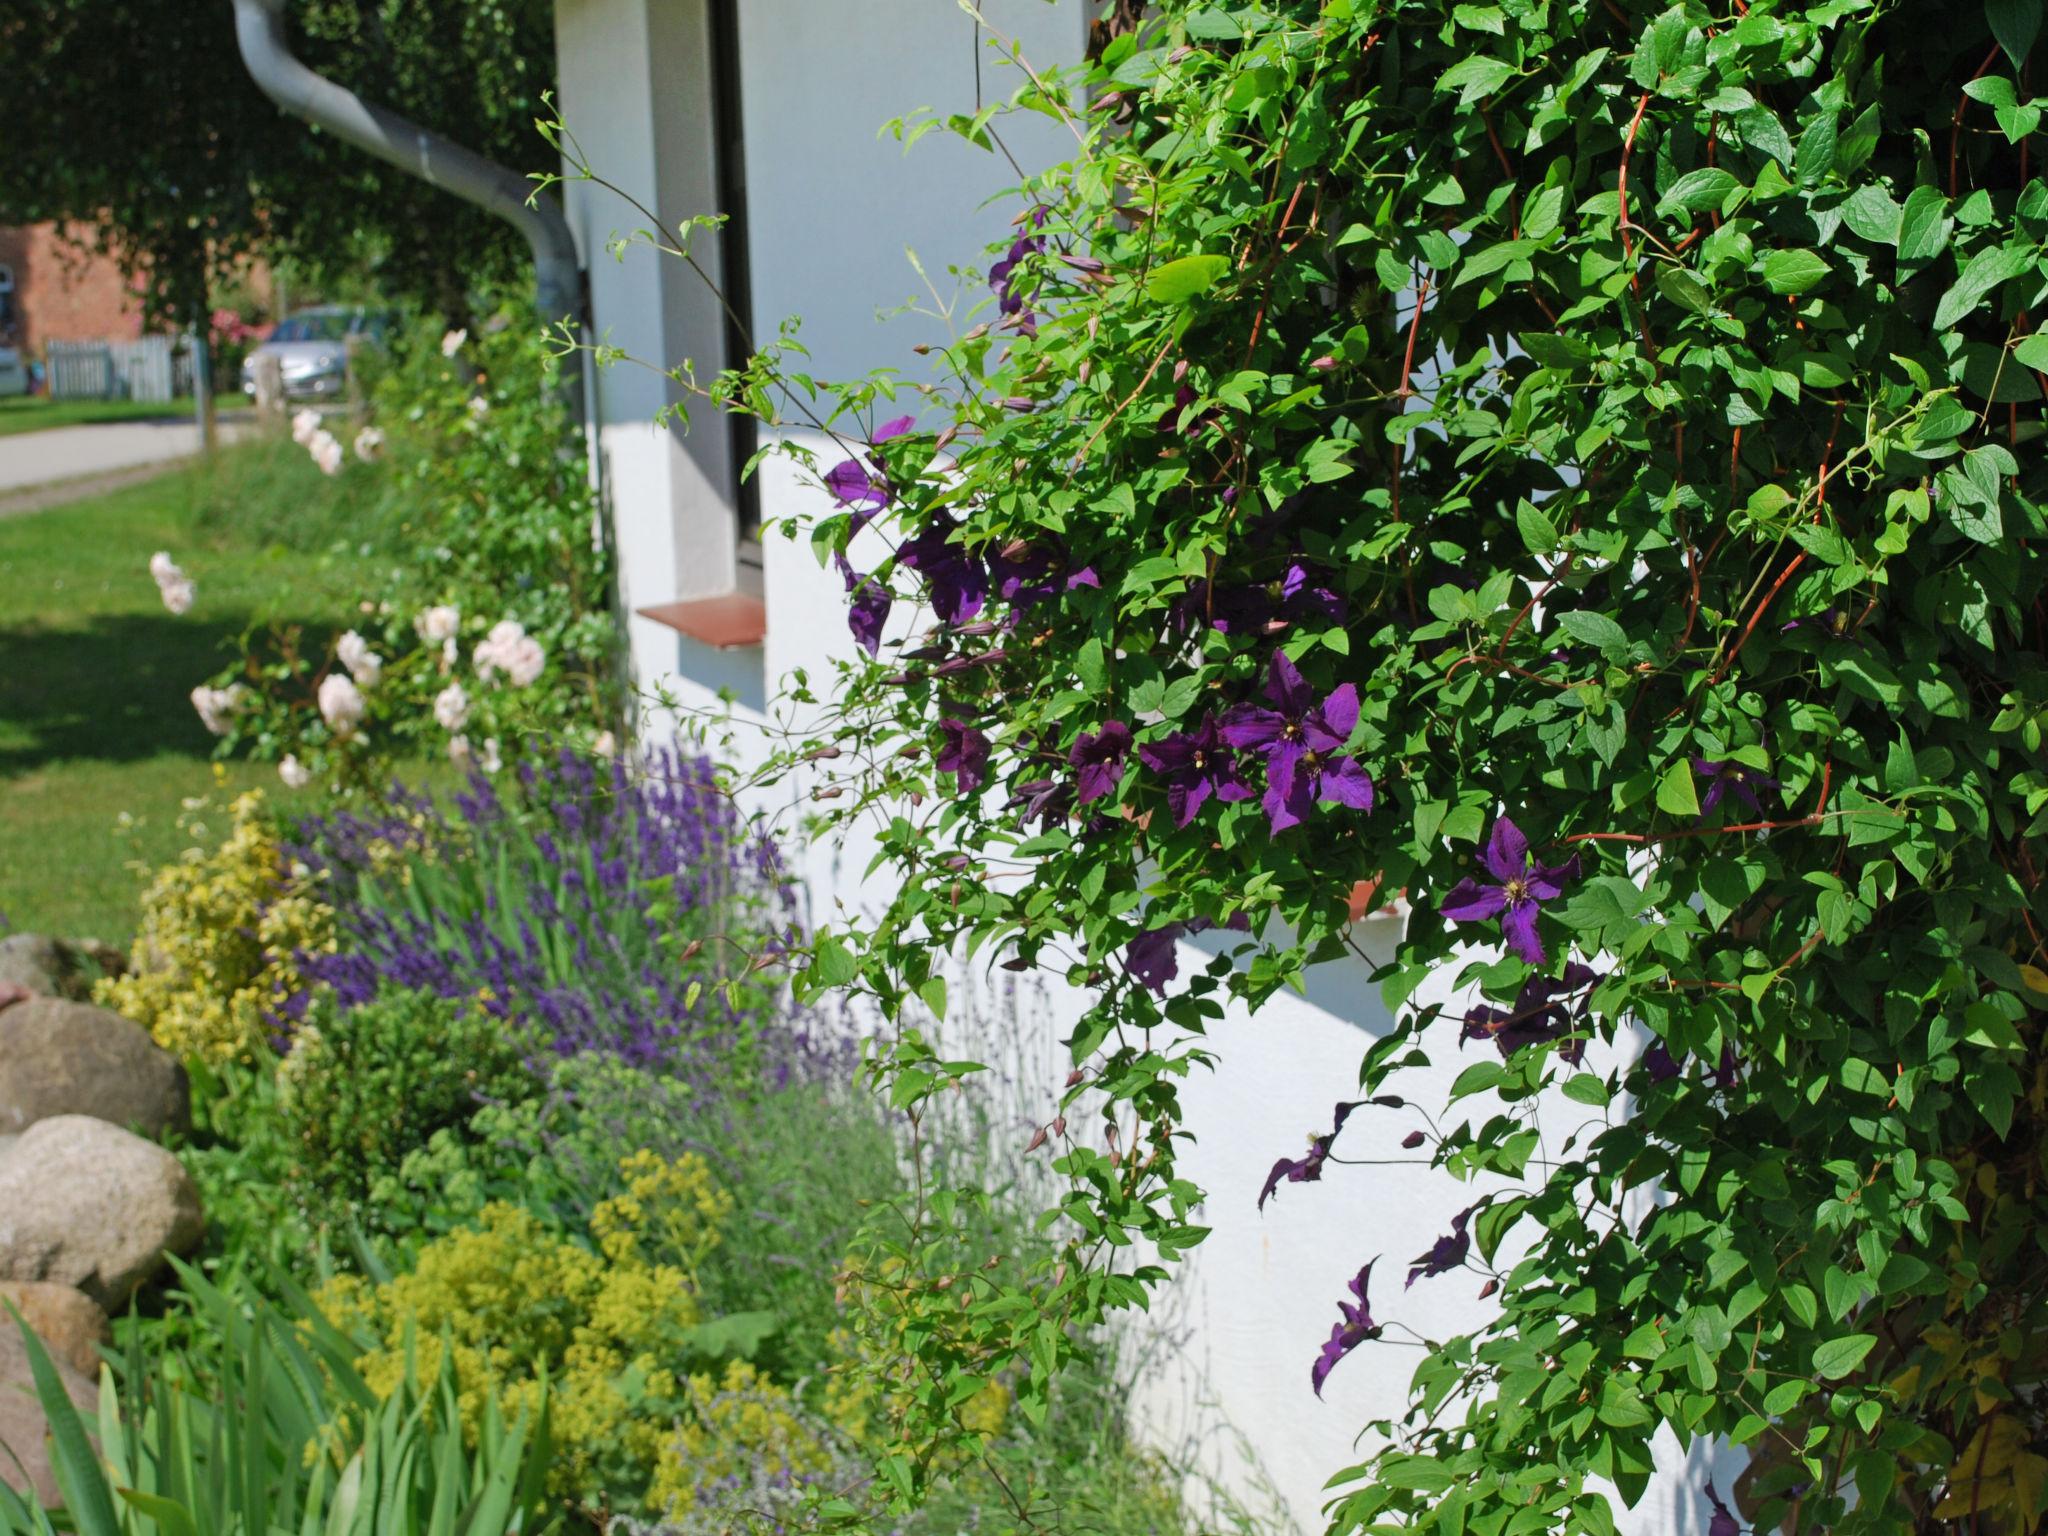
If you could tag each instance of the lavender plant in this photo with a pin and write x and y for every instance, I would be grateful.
(593, 907)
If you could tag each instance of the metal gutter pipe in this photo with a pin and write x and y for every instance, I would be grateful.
(558, 275)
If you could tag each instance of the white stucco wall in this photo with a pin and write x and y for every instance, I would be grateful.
(833, 209)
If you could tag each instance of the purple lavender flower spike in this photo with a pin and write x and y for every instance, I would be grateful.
(1196, 765)
(964, 754)
(1447, 1252)
(1099, 761)
(1357, 1327)
(1308, 1169)
(1300, 739)
(1520, 885)
(1731, 778)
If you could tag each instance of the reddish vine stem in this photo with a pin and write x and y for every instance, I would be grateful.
(1819, 815)
(1792, 565)
(1955, 126)
(1628, 249)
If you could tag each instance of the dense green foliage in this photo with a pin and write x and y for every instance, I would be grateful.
(365, 1086)
(1588, 438)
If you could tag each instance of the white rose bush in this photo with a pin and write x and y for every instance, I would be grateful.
(495, 638)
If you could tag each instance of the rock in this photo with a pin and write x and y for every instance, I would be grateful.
(23, 1429)
(51, 967)
(87, 1204)
(70, 1323)
(59, 1058)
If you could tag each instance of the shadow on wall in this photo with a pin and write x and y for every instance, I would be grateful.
(115, 689)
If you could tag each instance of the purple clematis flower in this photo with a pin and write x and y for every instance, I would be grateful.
(1196, 764)
(1099, 761)
(964, 754)
(1724, 1522)
(957, 578)
(1520, 885)
(1357, 1327)
(863, 486)
(1002, 276)
(1447, 1252)
(1024, 576)
(869, 610)
(1308, 1169)
(1537, 1017)
(1731, 778)
(1044, 801)
(1300, 738)
(1151, 957)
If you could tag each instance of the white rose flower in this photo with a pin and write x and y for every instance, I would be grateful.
(178, 595)
(296, 775)
(304, 424)
(479, 407)
(370, 445)
(451, 707)
(341, 704)
(438, 624)
(217, 706)
(364, 664)
(525, 662)
(448, 654)
(458, 751)
(327, 452)
(495, 650)
(452, 342)
(606, 744)
(490, 762)
(163, 568)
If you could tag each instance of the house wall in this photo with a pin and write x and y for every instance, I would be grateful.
(833, 208)
(65, 291)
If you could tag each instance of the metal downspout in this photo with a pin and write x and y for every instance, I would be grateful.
(558, 276)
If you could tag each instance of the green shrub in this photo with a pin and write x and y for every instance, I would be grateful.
(364, 1086)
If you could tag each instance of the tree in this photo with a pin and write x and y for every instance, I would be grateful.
(147, 129)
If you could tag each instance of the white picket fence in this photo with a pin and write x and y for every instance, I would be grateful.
(155, 368)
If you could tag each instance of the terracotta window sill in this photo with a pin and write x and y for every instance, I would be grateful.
(729, 621)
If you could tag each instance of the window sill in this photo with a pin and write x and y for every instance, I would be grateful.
(730, 621)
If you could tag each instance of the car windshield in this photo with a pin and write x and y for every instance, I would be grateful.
(322, 325)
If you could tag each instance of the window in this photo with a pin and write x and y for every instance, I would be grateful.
(728, 126)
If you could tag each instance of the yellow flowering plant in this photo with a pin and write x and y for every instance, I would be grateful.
(221, 927)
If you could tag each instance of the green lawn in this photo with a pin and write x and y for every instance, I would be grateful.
(39, 413)
(98, 740)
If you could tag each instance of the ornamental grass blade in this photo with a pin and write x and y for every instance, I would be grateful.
(171, 1517)
(86, 1495)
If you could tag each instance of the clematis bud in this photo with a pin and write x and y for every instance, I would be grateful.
(1324, 364)
(1180, 370)
(1074, 1077)
(1412, 1140)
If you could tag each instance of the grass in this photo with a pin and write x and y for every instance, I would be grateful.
(99, 745)
(39, 413)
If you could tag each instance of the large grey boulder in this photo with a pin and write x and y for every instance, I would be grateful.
(88, 1205)
(56, 967)
(24, 1431)
(59, 1058)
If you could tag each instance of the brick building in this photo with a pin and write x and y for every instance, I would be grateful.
(64, 290)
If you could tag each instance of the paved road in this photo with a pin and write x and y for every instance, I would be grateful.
(73, 453)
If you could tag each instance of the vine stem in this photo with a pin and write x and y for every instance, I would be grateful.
(1819, 815)
(1955, 126)
(1628, 249)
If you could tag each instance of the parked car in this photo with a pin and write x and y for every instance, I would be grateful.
(14, 378)
(312, 349)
